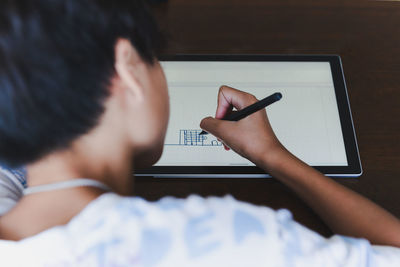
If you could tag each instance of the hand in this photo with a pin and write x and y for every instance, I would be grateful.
(346, 212)
(251, 137)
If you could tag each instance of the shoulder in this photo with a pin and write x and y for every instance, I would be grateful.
(164, 231)
(201, 231)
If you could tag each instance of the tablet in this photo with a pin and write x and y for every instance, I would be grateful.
(313, 119)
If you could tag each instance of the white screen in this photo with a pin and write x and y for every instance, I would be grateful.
(306, 119)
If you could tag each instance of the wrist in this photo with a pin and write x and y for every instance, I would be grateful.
(273, 159)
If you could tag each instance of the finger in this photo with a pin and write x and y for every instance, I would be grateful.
(229, 97)
(210, 125)
(225, 146)
(224, 113)
(214, 126)
(224, 108)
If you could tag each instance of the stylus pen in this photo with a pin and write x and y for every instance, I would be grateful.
(241, 114)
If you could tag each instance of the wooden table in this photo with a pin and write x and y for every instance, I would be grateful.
(366, 34)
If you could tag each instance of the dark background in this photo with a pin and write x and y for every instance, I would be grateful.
(366, 34)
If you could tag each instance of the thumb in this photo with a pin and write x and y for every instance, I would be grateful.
(211, 125)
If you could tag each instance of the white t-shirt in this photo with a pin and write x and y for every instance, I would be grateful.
(129, 231)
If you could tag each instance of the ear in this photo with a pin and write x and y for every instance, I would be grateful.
(129, 66)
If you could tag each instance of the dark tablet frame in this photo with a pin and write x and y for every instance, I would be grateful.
(353, 169)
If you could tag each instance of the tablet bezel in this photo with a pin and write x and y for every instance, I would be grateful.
(354, 168)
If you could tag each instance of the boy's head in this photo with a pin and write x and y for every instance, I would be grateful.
(63, 63)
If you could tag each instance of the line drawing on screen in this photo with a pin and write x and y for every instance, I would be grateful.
(193, 138)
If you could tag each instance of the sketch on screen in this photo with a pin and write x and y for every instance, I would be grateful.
(193, 138)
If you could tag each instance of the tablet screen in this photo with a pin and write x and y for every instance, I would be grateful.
(306, 120)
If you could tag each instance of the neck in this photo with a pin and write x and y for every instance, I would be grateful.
(115, 173)
(104, 155)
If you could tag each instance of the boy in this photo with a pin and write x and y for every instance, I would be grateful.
(82, 96)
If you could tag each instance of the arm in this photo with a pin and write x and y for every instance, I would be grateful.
(343, 210)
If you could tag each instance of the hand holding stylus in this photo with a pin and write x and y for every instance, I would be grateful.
(247, 130)
(344, 211)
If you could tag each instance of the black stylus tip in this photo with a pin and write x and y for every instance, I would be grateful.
(278, 96)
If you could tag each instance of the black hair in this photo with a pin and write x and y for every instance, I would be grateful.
(56, 63)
